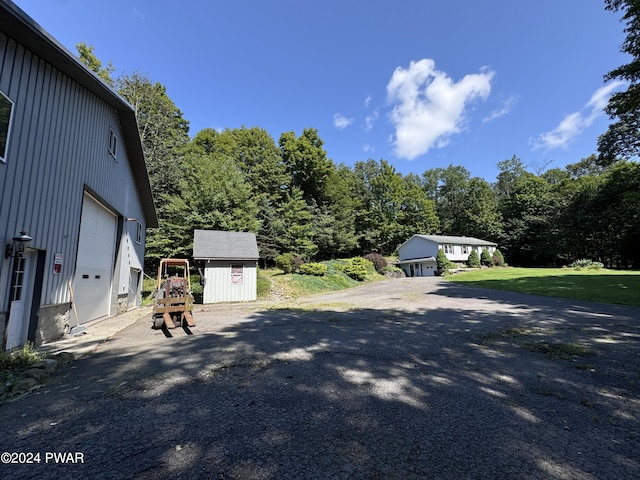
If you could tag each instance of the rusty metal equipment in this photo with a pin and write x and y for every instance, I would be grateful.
(174, 299)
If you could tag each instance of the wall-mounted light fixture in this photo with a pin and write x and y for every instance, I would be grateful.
(17, 248)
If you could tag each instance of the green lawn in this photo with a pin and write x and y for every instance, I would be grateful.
(296, 285)
(608, 286)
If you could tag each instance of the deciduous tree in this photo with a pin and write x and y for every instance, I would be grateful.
(308, 164)
(85, 52)
(622, 139)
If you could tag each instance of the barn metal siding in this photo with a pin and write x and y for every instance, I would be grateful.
(58, 148)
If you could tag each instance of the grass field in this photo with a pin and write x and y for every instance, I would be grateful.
(608, 286)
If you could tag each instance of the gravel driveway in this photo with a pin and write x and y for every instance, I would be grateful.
(414, 378)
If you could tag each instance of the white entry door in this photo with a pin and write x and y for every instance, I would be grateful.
(94, 264)
(21, 295)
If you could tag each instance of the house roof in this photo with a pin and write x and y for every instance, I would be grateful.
(217, 245)
(24, 30)
(455, 240)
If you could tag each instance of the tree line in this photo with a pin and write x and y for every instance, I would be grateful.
(298, 201)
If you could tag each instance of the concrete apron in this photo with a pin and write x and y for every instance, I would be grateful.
(94, 334)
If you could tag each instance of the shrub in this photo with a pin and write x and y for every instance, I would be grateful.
(18, 360)
(379, 262)
(586, 263)
(474, 259)
(288, 262)
(443, 263)
(317, 269)
(358, 268)
(284, 262)
(485, 258)
(498, 258)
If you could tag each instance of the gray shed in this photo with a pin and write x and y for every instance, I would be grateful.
(230, 265)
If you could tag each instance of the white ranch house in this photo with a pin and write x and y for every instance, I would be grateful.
(417, 256)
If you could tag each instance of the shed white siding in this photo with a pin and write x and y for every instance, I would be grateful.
(222, 286)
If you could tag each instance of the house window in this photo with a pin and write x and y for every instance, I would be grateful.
(113, 144)
(18, 279)
(465, 249)
(448, 248)
(237, 274)
(139, 233)
(6, 108)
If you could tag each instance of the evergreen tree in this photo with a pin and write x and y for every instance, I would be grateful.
(485, 258)
(297, 233)
(498, 258)
(206, 200)
(442, 262)
(473, 260)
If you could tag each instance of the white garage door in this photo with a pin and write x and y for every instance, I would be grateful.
(94, 266)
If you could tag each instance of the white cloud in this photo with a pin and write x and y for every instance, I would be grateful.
(429, 107)
(504, 109)
(370, 120)
(341, 122)
(367, 101)
(601, 96)
(368, 148)
(573, 124)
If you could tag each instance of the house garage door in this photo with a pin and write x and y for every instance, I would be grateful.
(94, 265)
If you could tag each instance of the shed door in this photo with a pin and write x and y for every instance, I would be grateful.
(94, 265)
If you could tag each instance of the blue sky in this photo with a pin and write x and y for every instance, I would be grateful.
(421, 84)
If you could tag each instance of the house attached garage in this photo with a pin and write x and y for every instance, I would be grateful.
(94, 264)
(419, 267)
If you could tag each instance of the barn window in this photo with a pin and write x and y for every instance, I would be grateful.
(6, 108)
(139, 233)
(237, 274)
(448, 249)
(465, 249)
(113, 144)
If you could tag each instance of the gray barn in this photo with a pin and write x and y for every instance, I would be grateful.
(73, 179)
(230, 265)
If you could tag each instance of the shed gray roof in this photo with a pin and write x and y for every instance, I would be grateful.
(217, 245)
(456, 240)
(25, 31)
